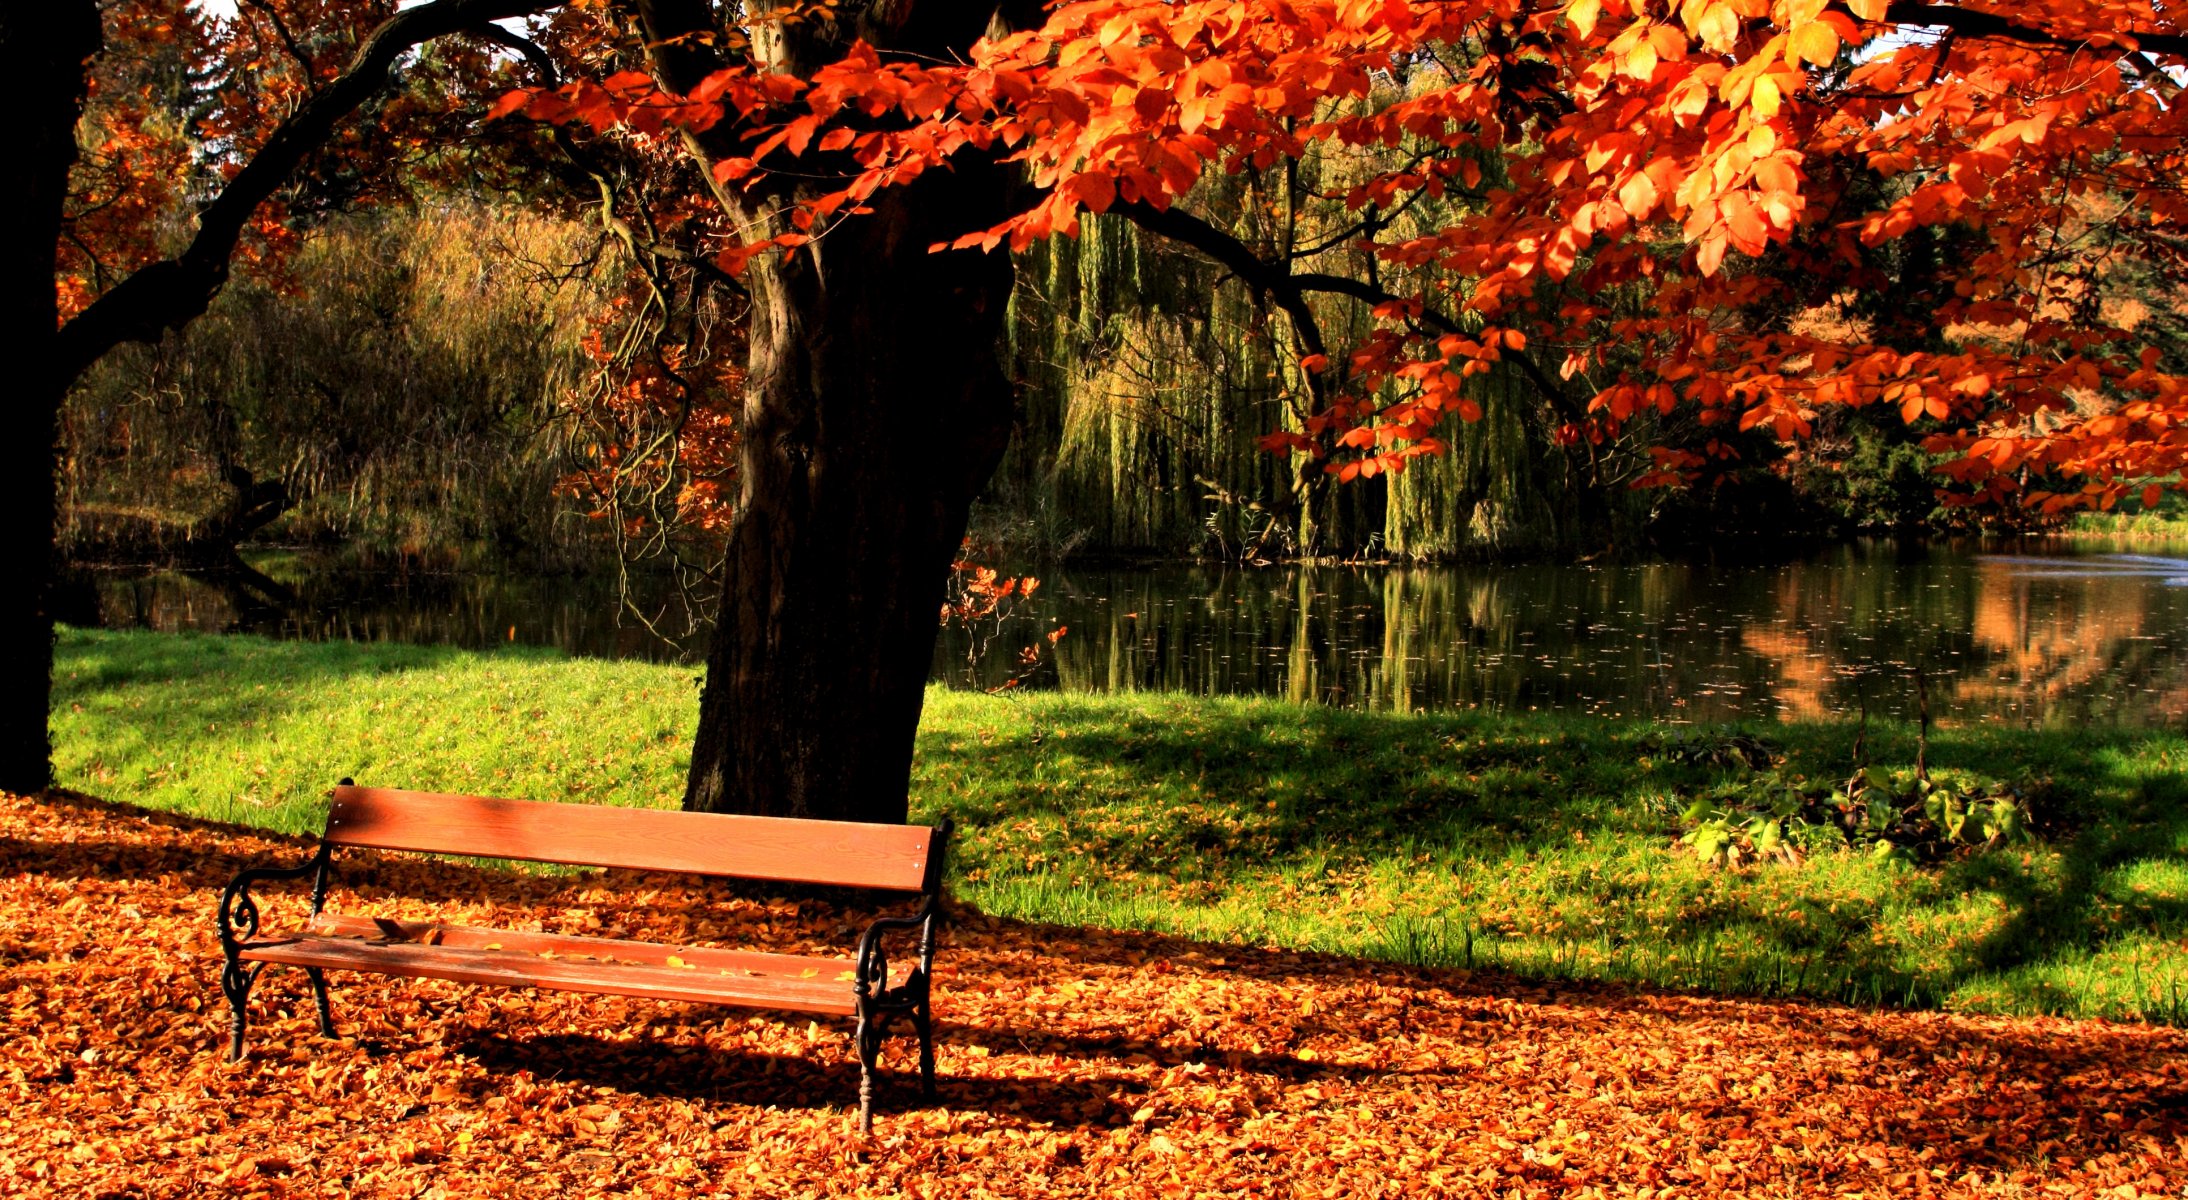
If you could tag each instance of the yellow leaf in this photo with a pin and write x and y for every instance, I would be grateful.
(808, 973)
(1764, 98)
(680, 964)
(1718, 28)
(1584, 14)
(1816, 42)
(1638, 195)
(1868, 10)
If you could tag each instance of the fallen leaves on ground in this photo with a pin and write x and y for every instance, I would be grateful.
(1071, 1063)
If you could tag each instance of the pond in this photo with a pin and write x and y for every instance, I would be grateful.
(2057, 634)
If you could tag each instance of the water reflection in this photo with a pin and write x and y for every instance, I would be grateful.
(303, 598)
(2022, 639)
(2026, 638)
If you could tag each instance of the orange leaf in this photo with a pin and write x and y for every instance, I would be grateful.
(509, 104)
(1710, 254)
(1584, 14)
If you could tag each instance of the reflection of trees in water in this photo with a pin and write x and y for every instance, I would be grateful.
(2047, 640)
(1809, 640)
(1998, 643)
(1696, 643)
(577, 613)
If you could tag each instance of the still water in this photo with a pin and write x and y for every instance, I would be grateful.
(2057, 634)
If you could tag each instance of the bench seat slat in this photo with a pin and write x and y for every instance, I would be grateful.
(461, 937)
(521, 968)
(844, 853)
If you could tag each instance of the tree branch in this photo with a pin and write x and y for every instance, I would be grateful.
(1290, 289)
(172, 292)
(1273, 279)
(1972, 23)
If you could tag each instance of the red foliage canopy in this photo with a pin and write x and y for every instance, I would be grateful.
(1674, 203)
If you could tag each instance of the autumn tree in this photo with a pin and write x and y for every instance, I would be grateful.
(1644, 208)
(91, 263)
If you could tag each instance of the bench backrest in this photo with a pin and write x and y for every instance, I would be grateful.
(897, 857)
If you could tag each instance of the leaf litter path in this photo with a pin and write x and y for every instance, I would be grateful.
(1072, 1063)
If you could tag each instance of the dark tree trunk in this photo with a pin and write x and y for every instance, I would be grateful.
(876, 411)
(44, 52)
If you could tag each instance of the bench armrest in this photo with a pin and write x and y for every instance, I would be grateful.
(872, 968)
(238, 913)
(873, 958)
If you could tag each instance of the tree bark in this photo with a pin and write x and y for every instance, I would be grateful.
(44, 49)
(876, 409)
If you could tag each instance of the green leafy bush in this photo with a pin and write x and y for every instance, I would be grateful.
(1907, 816)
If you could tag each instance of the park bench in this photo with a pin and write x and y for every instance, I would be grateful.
(900, 858)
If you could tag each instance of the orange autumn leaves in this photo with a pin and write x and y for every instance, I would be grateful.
(1071, 1063)
(1642, 188)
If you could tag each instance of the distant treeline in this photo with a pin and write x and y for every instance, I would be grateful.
(397, 386)
(409, 381)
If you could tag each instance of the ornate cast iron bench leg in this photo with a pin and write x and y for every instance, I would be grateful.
(923, 1012)
(319, 996)
(238, 917)
(923, 1025)
(873, 1026)
(235, 982)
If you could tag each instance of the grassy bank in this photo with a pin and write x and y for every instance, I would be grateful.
(2165, 526)
(1543, 845)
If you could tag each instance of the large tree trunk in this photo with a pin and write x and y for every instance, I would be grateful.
(44, 52)
(877, 410)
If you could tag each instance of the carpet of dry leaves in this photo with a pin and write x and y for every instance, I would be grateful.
(1072, 1063)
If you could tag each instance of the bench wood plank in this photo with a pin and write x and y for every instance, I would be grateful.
(518, 968)
(842, 853)
(704, 958)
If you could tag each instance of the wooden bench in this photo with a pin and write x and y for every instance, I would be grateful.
(902, 858)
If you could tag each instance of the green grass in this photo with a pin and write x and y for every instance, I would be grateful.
(2167, 526)
(1542, 845)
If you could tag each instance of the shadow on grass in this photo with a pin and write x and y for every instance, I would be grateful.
(1224, 795)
